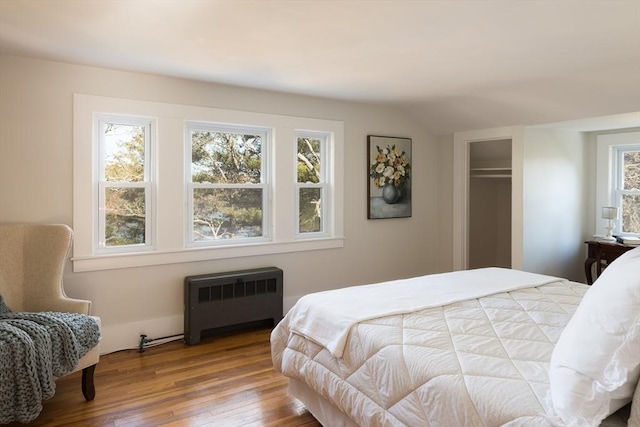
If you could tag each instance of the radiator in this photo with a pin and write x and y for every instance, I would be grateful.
(233, 298)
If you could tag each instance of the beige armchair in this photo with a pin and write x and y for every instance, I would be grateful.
(32, 260)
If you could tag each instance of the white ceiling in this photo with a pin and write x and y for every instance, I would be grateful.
(456, 65)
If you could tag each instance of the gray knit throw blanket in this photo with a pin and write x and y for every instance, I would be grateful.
(35, 348)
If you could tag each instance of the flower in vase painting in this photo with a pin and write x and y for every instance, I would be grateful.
(389, 166)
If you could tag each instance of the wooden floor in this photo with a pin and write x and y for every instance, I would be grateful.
(223, 381)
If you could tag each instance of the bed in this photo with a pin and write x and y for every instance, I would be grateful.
(485, 347)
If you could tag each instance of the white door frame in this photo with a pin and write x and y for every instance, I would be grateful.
(461, 150)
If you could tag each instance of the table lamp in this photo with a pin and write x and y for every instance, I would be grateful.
(609, 213)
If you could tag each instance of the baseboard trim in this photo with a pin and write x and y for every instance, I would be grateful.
(126, 336)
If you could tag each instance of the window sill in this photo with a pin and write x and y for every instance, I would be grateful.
(145, 259)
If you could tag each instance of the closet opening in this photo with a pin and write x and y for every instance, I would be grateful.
(489, 220)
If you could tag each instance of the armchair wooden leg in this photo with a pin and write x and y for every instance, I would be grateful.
(88, 388)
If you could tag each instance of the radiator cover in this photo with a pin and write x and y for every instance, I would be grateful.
(232, 298)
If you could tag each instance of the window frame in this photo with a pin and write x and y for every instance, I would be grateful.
(100, 121)
(264, 185)
(170, 202)
(608, 174)
(618, 190)
(324, 185)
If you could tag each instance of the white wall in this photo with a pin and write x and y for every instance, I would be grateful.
(555, 202)
(36, 186)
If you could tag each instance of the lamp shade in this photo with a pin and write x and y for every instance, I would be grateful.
(609, 212)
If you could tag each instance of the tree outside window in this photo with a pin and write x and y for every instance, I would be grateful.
(628, 189)
(124, 184)
(310, 197)
(312, 183)
(227, 183)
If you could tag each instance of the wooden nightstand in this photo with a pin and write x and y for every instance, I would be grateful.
(602, 253)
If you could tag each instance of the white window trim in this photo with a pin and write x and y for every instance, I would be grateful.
(326, 167)
(607, 147)
(171, 202)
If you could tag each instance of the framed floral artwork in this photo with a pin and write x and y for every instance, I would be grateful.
(389, 181)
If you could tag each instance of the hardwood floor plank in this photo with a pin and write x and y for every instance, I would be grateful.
(225, 381)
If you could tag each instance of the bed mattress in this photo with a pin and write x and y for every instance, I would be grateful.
(478, 362)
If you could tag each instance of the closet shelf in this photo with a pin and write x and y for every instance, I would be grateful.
(490, 169)
(491, 176)
(491, 172)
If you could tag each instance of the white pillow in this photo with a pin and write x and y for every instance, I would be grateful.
(595, 364)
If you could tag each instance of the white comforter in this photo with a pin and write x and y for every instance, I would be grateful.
(340, 309)
(477, 362)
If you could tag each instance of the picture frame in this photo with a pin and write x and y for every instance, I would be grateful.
(389, 167)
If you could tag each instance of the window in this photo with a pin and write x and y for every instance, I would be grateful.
(312, 186)
(228, 184)
(157, 183)
(618, 180)
(626, 189)
(124, 184)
